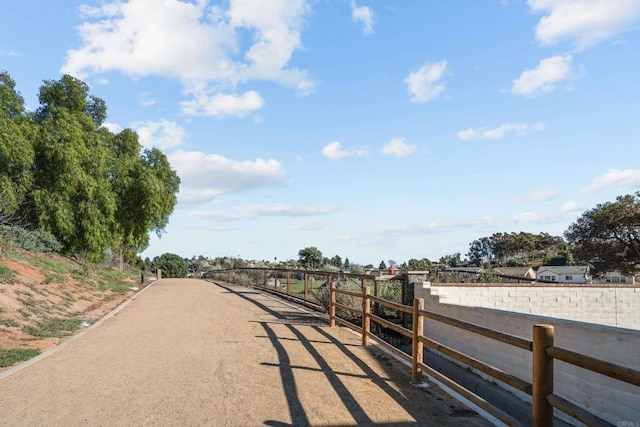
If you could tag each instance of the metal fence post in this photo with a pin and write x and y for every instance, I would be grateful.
(416, 344)
(542, 384)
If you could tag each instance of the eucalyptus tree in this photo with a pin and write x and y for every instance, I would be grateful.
(72, 195)
(16, 148)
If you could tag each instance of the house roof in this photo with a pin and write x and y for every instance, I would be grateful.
(564, 269)
(513, 271)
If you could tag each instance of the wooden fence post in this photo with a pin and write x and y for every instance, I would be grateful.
(366, 319)
(332, 304)
(159, 274)
(288, 282)
(416, 344)
(306, 286)
(542, 384)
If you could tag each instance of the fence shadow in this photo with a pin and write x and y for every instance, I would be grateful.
(298, 324)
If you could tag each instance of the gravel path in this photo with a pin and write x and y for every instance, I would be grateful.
(190, 353)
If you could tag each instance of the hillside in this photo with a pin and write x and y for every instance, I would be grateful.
(45, 298)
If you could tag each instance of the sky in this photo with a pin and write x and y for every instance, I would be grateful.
(371, 129)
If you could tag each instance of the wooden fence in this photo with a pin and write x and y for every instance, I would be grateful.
(544, 352)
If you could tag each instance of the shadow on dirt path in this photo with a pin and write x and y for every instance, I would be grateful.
(424, 406)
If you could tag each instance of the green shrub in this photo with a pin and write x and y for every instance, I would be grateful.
(30, 240)
(6, 275)
(53, 328)
(15, 355)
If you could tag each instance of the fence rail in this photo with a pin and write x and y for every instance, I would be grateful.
(542, 346)
(543, 355)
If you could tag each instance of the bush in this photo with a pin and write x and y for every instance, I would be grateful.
(322, 296)
(172, 265)
(30, 240)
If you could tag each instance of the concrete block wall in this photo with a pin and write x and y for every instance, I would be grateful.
(610, 399)
(604, 305)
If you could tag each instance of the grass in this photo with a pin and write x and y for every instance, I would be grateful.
(15, 355)
(53, 328)
(6, 274)
(9, 323)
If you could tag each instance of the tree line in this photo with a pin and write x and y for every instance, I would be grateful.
(63, 172)
(606, 237)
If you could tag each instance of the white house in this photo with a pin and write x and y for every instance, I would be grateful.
(564, 274)
(615, 277)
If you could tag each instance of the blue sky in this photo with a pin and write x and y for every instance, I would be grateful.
(371, 129)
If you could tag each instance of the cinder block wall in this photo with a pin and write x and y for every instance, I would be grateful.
(610, 399)
(613, 306)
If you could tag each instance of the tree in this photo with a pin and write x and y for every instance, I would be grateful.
(172, 265)
(16, 148)
(347, 264)
(310, 257)
(336, 261)
(145, 187)
(382, 266)
(419, 265)
(451, 260)
(72, 196)
(609, 235)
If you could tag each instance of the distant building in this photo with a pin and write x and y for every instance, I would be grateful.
(615, 277)
(564, 274)
(515, 274)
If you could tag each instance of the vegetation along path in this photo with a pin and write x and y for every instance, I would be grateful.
(190, 352)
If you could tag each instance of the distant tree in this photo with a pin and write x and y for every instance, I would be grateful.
(609, 235)
(453, 260)
(310, 257)
(392, 263)
(347, 264)
(419, 265)
(382, 266)
(336, 261)
(172, 265)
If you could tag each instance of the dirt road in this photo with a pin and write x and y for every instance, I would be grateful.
(190, 353)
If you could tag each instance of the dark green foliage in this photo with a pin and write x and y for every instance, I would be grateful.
(172, 265)
(608, 236)
(60, 171)
(15, 355)
(310, 257)
(502, 248)
(30, 240)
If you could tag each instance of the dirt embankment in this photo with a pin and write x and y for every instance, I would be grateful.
(45, 298)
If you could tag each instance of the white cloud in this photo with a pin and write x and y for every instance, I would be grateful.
(334, 151)
(222, 105)
(398, 147)
(161, 134)
(249, 212)
(113, 127)
(425, 84)
(309, 225)
(543, 195)
(572, 208)
(146, 99)
(584, 22)
(363, 14)
(196, 43)
(543, 79)
(520, 129)
(615, 178)
(9, 53)
(205, 176)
